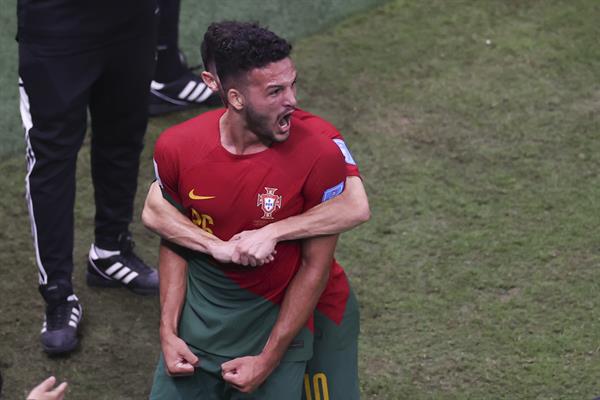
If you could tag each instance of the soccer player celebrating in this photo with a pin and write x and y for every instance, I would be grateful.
(254, 163)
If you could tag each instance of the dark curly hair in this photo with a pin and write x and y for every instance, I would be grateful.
(238, 47)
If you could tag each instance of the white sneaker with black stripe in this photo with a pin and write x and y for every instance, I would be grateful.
(60, 327)
(123, 268)
(187, 91)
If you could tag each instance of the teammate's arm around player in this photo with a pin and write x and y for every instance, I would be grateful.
(164, 219)
(179, 359)
(247, 373)
(340, 214)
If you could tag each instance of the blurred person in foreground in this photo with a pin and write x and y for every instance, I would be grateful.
(47, 391)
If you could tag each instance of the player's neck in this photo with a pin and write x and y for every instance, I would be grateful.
(236, 138)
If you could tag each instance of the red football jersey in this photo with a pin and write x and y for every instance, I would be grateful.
(226, 193)
(319, 125)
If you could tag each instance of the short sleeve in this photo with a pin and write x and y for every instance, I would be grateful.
(329, 130)
(327, 177)
(166, 168)
(351, 166)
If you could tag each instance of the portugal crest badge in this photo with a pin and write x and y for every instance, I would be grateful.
(269, 202)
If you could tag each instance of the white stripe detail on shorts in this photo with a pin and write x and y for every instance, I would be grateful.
(75, 311)
(113, 268)
(187, 89)
(73, 324)
(197, 92)
(30, 157)
(122, 273)
(129, 277)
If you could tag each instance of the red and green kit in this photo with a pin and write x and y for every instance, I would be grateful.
(229, 310)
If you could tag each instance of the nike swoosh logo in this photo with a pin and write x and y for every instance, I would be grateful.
(195, 197)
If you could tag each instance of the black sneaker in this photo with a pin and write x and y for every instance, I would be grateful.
(62, 318)
(186, 92)
(123, 269)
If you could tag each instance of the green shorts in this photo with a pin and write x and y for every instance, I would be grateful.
(332, 373)
(207, 384)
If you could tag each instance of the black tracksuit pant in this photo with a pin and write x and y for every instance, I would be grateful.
(111, 81)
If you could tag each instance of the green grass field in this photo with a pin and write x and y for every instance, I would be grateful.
(476, 125)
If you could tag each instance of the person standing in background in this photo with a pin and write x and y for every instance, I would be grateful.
(76, 57)
(175, 87)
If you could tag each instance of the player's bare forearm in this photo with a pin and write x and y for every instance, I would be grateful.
(335, 216)
(301, 297)
(178, 358)
(172, 269)
(302, 294)
(162, 218)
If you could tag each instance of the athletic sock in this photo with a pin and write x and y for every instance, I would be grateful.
(102, 253)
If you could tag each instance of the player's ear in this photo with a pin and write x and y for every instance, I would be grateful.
(236, 99)
(210, 80)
